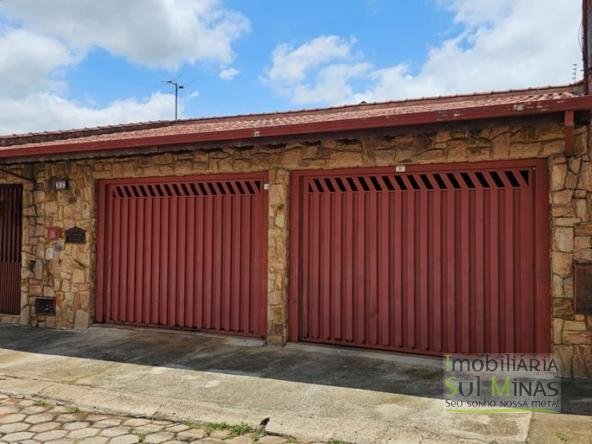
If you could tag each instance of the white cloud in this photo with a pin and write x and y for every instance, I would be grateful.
(502, 44)
(40, 41)
(316, 71)
(229, 73)
(155, 33)
(47, 111)
(289, 64)
(28, 62)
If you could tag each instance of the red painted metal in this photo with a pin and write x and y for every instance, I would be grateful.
(184, 252)
(587, 44)
(11, 206)
(569, 133)
(489, 111)
(437, 259)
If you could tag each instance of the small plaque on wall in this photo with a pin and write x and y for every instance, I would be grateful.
(75, 235)
(583, 287)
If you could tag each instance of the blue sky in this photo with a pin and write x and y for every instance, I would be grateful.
(387, 32)
(70, 63)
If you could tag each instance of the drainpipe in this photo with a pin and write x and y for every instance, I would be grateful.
(569, 134)
(587, 44)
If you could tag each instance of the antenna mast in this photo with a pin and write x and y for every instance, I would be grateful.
(177, 87)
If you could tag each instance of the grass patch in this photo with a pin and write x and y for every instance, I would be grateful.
(192, 424)
(564, 439)
(42, 403)
(141, 437)
(74, 409)
(233, 430)
(335, 441)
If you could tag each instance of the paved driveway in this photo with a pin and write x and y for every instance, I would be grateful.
(310, 393)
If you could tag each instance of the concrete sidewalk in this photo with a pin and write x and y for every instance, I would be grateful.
(310, 393)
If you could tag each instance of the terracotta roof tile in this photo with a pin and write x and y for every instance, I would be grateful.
(254, 122)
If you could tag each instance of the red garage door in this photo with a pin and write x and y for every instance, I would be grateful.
(440, 259)
(184, 252)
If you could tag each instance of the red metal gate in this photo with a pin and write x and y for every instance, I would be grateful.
(184, 253)
(435, 259)
(11, 205)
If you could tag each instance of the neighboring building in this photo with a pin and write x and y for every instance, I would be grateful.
(425, 226)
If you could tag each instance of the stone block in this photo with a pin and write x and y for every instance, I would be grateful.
(81, 320)
(563, 309)
(564, 356)
(577, 337)
(564, 239)
(557, 331)
(562, 263)
(558, 174)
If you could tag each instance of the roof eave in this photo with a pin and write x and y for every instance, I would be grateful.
(518, 109)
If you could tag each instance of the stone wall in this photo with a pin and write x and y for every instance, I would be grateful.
(67, 272)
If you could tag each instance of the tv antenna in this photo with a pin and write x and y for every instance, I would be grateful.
(177, 87)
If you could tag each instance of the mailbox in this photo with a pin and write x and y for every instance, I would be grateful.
(75, 235)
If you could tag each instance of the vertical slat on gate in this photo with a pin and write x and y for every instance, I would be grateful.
(123, 260)
(139, 262)
(258, 225)
(396, 269)
(191, 263)
(359, 298)
(348, 270)
(117, 246)
(494, 269)
(209, 223)
(422, 270)
(164, 264)
(200, 242)
(508, 300)
(156, 261)
(147, 289)
(371, 305)
(217, 263)
(235, 287)
(463, 274)
(226, 261)
(479, 278)
(172, 234)
(247, 264)
(410, 263)
(526, 263)
(325, 258)
(450, 272)
(436, 254)
(128, 298)
(336, 255)
(181, 253)
(313, 291)
(383, 294)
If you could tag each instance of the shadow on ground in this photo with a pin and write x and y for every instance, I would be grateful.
(189, 351)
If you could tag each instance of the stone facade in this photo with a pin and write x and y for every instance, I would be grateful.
(67, 272)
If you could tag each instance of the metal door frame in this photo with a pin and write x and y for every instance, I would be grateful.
(542, 266)
(102, 200)
(14, 245)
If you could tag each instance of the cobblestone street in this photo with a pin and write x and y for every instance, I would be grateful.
(37, 421)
